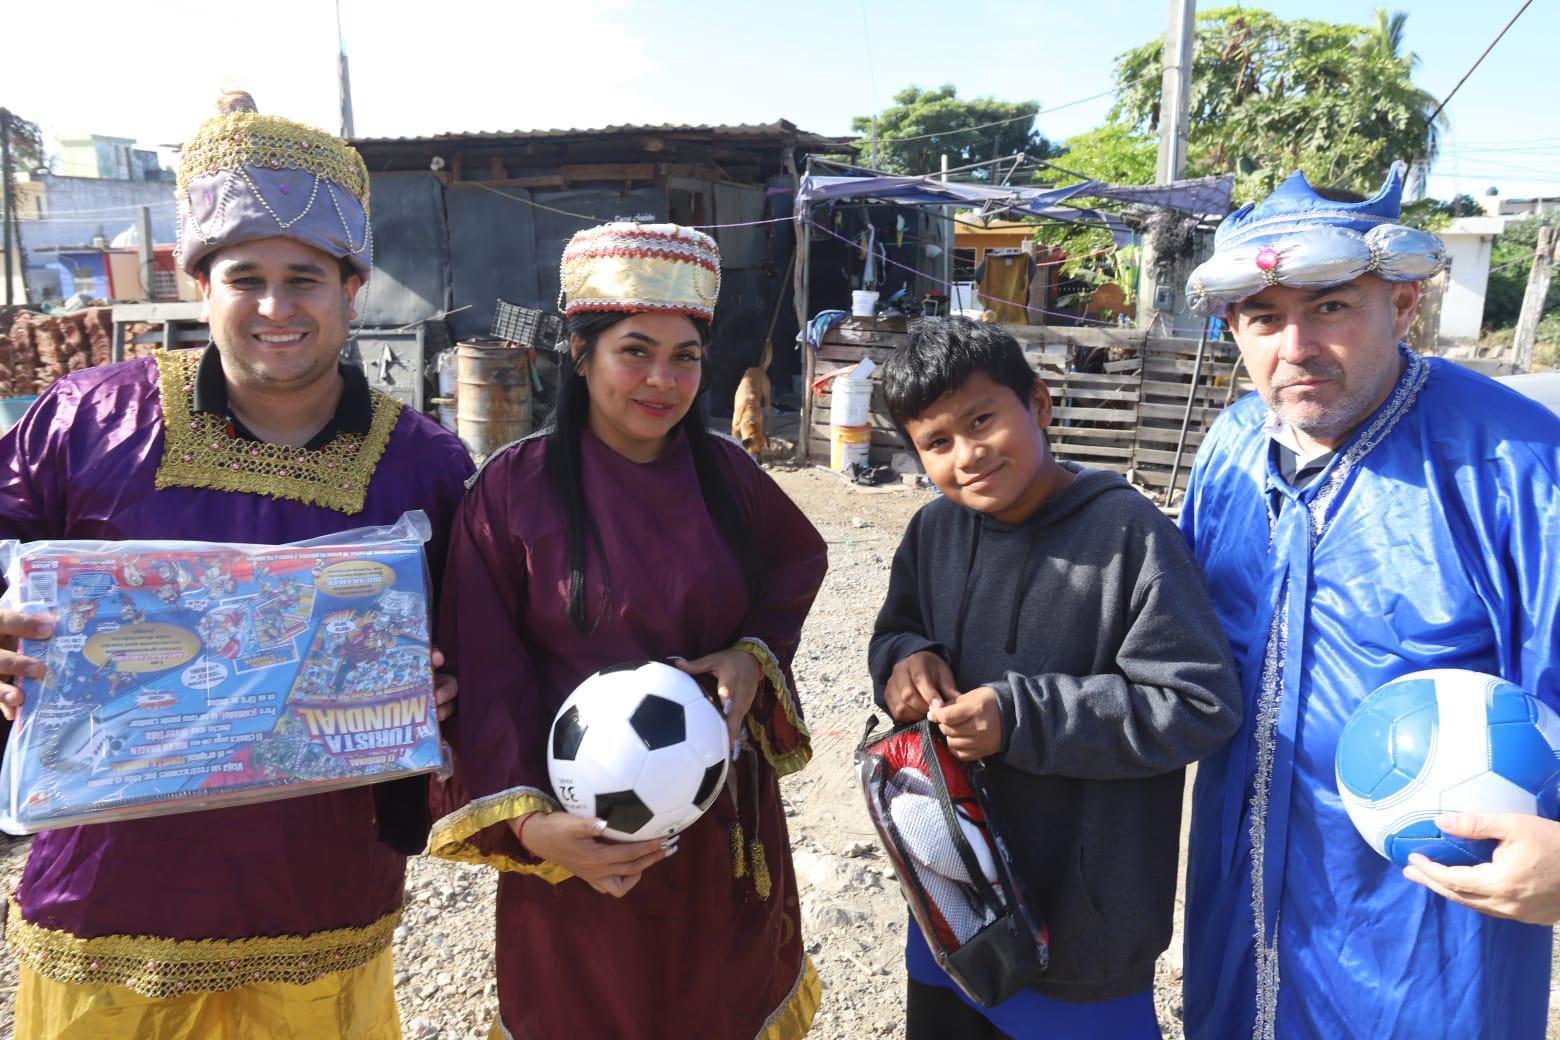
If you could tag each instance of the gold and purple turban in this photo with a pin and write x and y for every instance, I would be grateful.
(1298, 238)
(639, 268)
(246, 176)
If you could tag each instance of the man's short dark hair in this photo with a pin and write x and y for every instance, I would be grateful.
(345, 266)
(941, 355)
(1332, 194)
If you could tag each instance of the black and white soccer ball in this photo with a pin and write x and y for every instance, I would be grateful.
(641, 746)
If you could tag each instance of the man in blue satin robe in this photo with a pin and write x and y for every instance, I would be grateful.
(1366, 514)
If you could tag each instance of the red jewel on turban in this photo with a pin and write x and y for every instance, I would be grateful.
(1267, 259)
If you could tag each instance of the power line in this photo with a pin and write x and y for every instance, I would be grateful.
(105, 209)
(1525, 5)
(1032, 115)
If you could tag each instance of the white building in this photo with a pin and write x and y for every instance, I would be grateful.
(1468, 241)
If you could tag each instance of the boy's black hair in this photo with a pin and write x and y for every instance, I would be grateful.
(941, 355)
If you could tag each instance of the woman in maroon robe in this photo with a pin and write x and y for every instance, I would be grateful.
(627, 532)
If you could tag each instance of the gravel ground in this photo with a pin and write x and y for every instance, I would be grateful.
(852, 912)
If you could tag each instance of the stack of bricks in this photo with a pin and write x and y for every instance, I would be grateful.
(36, 349)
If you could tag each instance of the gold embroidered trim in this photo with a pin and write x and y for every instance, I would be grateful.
(157, 967)
(738, 851)
(198, 453)
(793, 760)
(794, 1017)
(241, 139)
(450, 838)
(761, 882)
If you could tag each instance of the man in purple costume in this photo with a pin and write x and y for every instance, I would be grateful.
(269, 919)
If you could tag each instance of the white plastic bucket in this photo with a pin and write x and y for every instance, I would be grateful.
(851, 402)
(848, 444)
(447, 377)
(863, 304)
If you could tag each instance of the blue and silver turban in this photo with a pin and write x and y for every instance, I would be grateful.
(246, 176)
(1297, 238)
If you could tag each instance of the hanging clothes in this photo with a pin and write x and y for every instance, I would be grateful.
(1004, 286)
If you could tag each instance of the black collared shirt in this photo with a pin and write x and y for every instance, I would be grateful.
(1301, 474)
(354, 412)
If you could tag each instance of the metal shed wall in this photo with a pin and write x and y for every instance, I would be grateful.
(411, 250)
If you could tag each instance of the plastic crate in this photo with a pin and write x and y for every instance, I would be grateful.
(527, 326)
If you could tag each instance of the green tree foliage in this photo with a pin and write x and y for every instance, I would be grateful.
(1271, 96)
(1431, 214)
(1113, 153)
(946, 117)
(1511, 258)
(26, 145)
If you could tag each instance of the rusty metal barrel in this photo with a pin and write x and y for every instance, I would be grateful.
(492, 394)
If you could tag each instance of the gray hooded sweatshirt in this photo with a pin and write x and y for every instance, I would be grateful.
(1091, 622)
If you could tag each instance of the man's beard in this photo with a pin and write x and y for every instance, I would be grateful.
(1351, 404)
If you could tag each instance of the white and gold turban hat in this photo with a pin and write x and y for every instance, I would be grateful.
(246, 176)
(638, 268)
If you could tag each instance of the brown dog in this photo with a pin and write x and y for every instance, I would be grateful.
(752, 408)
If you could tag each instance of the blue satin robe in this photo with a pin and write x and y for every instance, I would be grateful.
(1431, 541)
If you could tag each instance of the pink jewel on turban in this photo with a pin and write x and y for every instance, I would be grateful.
(284, 189)
(1267, 259)
(207, 197)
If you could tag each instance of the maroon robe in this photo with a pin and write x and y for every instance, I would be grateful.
(89, 461)
(708, 943)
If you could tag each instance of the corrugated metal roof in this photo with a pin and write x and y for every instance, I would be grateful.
(779, 128)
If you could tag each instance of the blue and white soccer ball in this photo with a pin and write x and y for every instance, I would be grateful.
(1445, 741)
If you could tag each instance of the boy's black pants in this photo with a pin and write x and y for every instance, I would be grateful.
(937, 1013)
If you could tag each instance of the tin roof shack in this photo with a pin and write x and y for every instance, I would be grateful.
(462, 220)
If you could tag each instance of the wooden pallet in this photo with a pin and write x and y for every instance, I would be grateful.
(1126, 417)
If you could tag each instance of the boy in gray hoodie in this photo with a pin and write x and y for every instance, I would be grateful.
(1051, 622)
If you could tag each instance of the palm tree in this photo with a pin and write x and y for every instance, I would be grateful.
(1382, 42)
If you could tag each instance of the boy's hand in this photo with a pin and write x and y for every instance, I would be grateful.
(917, 684)
(972, 724)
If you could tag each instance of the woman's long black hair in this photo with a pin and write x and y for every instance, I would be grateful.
(564, 468)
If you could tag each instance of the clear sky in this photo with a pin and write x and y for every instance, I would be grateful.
(448, 65)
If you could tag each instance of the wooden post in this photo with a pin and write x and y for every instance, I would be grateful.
(1186, 417)
(800, 290)
(1533, 300)
(809, 364)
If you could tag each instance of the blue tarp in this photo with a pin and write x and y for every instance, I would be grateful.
(1203, 196)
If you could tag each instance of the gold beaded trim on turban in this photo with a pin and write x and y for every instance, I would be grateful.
(232, 142)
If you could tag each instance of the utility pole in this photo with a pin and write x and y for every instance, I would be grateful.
(1175, 91)
(7, 198)
(1175, 95)
(1533, 300)
(343, 80)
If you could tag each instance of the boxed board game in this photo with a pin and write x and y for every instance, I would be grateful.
(192, 675)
